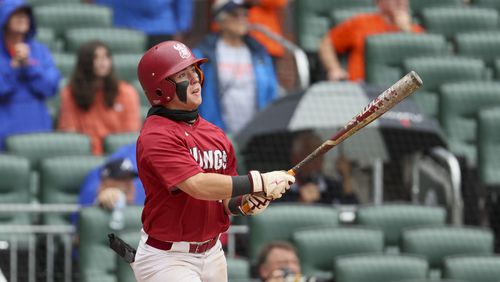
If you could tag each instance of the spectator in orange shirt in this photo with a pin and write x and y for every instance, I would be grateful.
(269, 14)
(95, 102)
(349, 36)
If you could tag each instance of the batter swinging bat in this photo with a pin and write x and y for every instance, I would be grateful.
(403, 88)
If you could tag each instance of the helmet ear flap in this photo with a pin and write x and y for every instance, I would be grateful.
(164, 93)
(201, 76)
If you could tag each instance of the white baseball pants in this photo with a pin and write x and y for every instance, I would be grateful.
(177, 264)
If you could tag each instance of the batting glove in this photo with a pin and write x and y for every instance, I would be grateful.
(271, 184)
(256, 204)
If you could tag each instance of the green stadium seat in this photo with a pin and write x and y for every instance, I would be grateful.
(449, 21)
(393, 218)
(497, 68)
(318, 247)
(114, 141)
(60, 180)
(379, 268)
(65, 62)
(125, 66)
(489, 146)
(340, 15)
(281, 220)
(36, 3)
(60, 17)
(472, 268)
(460, 104)
(124, 271)
(36, 146)
(417, 6)
(436, 71)
(238, 269)
(481, 45)
(436, 243)
(97, 261)
(119, 40)
(48, 37)
(385, 54)
(495, 4)
(14, 189)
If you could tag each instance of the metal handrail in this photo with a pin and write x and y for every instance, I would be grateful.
(300, 56)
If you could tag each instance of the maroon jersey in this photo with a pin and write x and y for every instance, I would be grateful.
(169, 152)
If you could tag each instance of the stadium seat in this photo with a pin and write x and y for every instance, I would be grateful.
(340, 15)
(393, 218)
(66, 63)
(385, 54)
(114, 141)
(125, 66)
(124, 272)
(238, 269)
(489, 146)
(48, 37)
(36, 146)
(438, 70)
(417, 6)
(14, 189)
(495, 4)
(281, 220)
(449, 21)
(379, 268)
(318, 247)
(60, 17)
(460, 105)
(118, 40)
(473, 268)
(435, 243)
(312, 19)
(497, 68)
(60, 180)
(481, 45)
(97, 261)
(36, 3)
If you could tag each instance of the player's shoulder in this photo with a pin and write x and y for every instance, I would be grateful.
(205, 124)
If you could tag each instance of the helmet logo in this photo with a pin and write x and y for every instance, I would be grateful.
(183, 50)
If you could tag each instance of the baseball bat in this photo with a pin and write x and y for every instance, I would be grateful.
(403, 88)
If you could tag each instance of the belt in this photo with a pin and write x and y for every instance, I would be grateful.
(194, 248)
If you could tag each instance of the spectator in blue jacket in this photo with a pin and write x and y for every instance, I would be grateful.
(91, 186)
(240, 79)
(28, 75)
(161, 20)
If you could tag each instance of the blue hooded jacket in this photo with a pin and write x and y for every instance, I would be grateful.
(265, 78)
(154, 17)
(23, 90)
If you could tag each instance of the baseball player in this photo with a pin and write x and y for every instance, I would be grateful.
(188, 169)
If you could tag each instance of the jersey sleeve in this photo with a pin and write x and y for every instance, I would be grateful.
(170, 160)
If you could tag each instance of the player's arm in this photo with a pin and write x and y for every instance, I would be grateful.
(213, 186)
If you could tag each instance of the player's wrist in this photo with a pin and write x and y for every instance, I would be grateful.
(242, 185)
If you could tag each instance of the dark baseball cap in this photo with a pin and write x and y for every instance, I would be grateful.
(119, 169)
(228, 6)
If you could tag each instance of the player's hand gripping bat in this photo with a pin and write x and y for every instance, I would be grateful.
(403, 88)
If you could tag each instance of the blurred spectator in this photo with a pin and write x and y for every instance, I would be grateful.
(239, 76)
(95, 102)
(312, 185)
(28, 75)
(349, 37)
(103, 184)
(161, 20)
(278, 262)
(268, 13)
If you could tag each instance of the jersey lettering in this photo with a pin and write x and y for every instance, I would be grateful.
(210, 159)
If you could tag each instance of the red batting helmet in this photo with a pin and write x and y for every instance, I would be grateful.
(160, 62)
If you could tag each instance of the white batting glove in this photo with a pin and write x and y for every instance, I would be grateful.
(257, 204)
(272, 184)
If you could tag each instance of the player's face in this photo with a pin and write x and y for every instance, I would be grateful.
(102, 62)
(188, 76)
